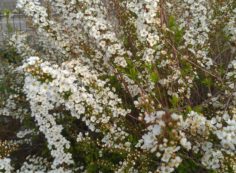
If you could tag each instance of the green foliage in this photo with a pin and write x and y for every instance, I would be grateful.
(174, 101)
(198, 108)
(90, 153)
(4, 88)
(188, 166)
(66, 94)
(154, 76)
(177, 32)
(207, 82)
(131, 70)
(133, 73)
(133, 140)
(186, 68)
(9, 55)
(116, 84)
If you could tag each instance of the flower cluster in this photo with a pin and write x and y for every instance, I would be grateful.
(5, 165)
(121, 86)
(196, 16)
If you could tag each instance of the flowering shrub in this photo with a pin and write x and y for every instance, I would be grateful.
(123, 86)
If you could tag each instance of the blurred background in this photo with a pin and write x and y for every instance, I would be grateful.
(11, 20)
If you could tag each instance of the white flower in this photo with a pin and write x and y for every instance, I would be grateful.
(5, 164)
(186, 144)
(93, 119)
(120, 61)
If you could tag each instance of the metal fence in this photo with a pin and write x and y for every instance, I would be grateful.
(12, 23)
(7, 4)
(11, 20)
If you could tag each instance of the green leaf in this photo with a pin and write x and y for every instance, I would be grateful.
(133, 73)
(198, 108)
(67, 94)
(92, 168)
(207, 82)
(186, 68)
(174, 101)
(187, 166)
(154, 77)
(149, 67)
(178, 33)
(189, 109)
(172, 23)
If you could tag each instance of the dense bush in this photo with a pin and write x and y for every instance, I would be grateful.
(121, 86)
